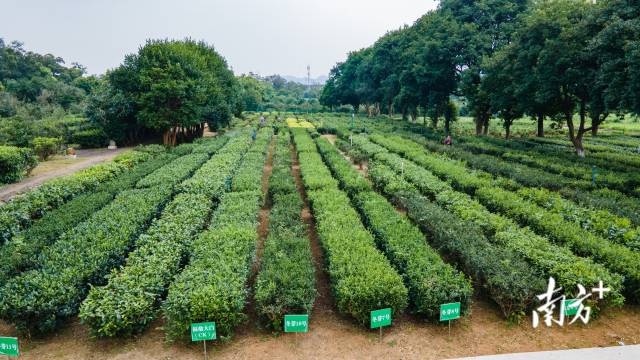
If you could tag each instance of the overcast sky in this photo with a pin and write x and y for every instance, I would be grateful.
(267, 37)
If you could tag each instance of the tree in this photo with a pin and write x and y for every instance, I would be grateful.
(175, 87)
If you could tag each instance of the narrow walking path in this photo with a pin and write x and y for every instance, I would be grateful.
(59, 167)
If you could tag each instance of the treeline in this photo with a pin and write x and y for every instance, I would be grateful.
(275, 93)
(547, 59)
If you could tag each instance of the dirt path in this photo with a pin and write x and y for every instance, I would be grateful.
(58, 167)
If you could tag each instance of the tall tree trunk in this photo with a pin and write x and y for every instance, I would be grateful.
(540, 125)
(390, 109)
(485, 124)
(507, 128)
(478, 121)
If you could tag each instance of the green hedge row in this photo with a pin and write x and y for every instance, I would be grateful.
(19, 213)
(615, 257)
(362, 279)
(209, 145)
(248, 177)
(213, 286)
(25, 247)
(129, 301)
(315, 173)
(599, 222)
(90, 138)
(38, 300)
(568, 269)
(430, 281)
(286, 281)
(15, 163)
(280, 183)
(214, 176)
(174, 172)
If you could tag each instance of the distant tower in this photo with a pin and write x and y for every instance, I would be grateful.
(308, 78)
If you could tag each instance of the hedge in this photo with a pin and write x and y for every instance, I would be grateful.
(18, 214)
(209, 145)
(213, 286)
(286, 281)
(174, 172)
(215, 175)
(129, 301)
(38, 300)
(565, 267)
(599, 222)
(362, 279)
(249, 175)
(280, 183)
(25, 247)
(429, 280)
(90, 138)
(15, 163)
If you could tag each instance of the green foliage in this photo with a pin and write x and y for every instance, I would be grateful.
(249, 175)
(213, 286)
(212, 178)
(174, 172)
(91, 138)
(279, 182)
(45, 147)
(38, 300)
(15, 163)
(128, 302)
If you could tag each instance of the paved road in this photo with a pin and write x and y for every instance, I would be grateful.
(630, 352)
(85, 159)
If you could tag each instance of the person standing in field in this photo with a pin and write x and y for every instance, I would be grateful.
(448, 140)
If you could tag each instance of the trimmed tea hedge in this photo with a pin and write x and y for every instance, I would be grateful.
(213, 286)
(18, 214)
(248, 177)
(362, 279)
(280, 182)
(215, 175)
(25, 247)
(174, 172)
(568, 269)
(38, 300)
(286, 282)
(429, 280)
(128, 303)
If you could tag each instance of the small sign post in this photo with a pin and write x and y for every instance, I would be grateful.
(296, 324)
(203, 332)
(571, 307)
(9, 346)
(380, 318)
(448, 312)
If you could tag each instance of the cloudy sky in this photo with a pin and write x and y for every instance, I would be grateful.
(271, 36)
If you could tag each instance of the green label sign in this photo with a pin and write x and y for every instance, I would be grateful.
(296, 323)
(449, 311)
(571, 307)
(9, 346)
(380, 318)
(203, 331)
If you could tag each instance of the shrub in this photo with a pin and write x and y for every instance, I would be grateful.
(128, 302)
(44, 147)
(213, 286)
(38, 300)
(15, 163)
(174, 172)
(362, 279)
(286, 282)
(27, 245)
(90, 138)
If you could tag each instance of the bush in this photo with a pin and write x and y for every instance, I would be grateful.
(174, 172)
(44, 147)
(215, 175)
(286, 282)
(91, 138)
(362, 279)
(213, 286)
(128, 302)
(15, 163)
(38, 300)
(26, 246)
